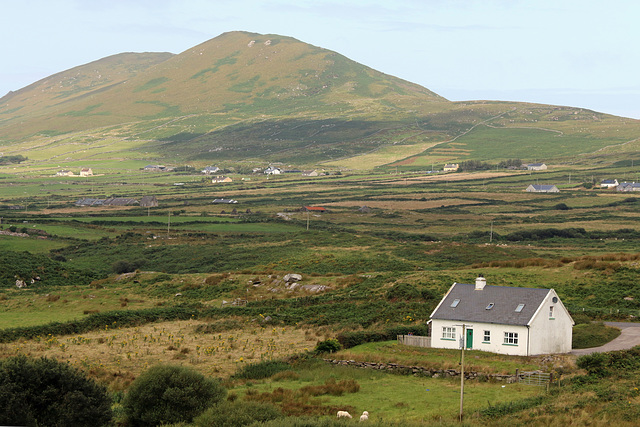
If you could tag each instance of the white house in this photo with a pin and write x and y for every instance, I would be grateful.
(609, 183)
(86, 172)
(536, 167)
(210, 169)
(628, 186)
(542, 188)
(272, 170)
(451, 167)
(501, 319)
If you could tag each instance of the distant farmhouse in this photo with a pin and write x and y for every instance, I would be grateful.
(536, 167)
(314, 209)
(86, 172)
(272, 170)
(609, 183)
(146, 201)
(502, 319)
(542, 188)
(218, 179)
(451, 167)
(157, 168)
(310, 173)
(149, 202)
(629, 186)
(210, 169)
(64, 173)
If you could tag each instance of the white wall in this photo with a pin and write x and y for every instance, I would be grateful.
(551, 335)
(495, 345)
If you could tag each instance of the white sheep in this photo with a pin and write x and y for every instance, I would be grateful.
(364, 416)
(344, 414)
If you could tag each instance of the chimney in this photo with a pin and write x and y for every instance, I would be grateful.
(481, 282)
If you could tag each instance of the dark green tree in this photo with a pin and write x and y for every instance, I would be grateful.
(166, 394)
(45, 392)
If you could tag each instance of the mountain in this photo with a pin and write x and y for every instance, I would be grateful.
(250, 96)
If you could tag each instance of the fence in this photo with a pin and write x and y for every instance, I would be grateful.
(536, 378)
(414, 340)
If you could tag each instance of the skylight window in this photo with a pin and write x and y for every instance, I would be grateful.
(455, 303)
(519, 308)
(490, 306)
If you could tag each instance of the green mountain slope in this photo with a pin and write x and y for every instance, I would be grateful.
(246, 96)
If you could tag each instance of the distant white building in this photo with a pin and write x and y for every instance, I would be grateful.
(451, 167)
(609, 183)
(210, 169)
(501, 319)
(64, 173)
(86, 172)
(536, 167)
(542, 188)
(629, 186)
(272, 170)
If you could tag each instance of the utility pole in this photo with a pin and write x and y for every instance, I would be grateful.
(491, 233)
(307, 220)
(462, 345)
(168, 223)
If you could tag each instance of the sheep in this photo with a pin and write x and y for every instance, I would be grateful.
(364, 416)
(344, 414)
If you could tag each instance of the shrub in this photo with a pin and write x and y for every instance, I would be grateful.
(587, 335)
(403, 291)
(237, 414)
(328, 346)
(46, 392)
(256, 371)
(170, 394)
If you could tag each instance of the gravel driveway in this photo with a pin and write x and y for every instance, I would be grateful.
(629, 337)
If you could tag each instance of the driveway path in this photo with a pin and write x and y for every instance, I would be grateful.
(629, 337)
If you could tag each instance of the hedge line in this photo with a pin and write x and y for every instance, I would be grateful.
(107, 320)
(352, 339)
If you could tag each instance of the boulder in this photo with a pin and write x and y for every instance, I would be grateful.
(292, 277)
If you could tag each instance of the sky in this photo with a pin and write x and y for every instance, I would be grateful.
(579, 53)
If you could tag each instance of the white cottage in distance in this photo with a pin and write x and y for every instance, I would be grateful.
(501, 319)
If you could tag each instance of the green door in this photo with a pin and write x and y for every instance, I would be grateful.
(469, 338)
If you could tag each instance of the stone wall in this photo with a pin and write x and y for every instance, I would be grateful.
(426, 372)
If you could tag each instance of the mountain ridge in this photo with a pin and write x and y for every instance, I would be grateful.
(245, 95)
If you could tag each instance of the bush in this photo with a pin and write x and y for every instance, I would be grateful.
(587, 335)
(237, 414)
(170, 394)
(403, 291)
(46, 392)
(328, 346)
(260, 370)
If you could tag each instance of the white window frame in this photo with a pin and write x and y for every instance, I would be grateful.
(448, 333)
(510, 338)
(551, 312)
(486, 337)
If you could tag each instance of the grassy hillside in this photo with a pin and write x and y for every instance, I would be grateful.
(268, 98)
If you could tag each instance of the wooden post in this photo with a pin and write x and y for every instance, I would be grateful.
(517, 375)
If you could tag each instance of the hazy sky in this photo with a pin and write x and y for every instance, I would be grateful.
(581, 53)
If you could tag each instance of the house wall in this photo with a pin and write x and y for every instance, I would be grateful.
(495, 345)
(551, 334)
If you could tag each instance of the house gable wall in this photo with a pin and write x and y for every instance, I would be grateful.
(551, 334)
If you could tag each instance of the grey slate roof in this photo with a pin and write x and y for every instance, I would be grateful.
(543, 187)
(473, 304)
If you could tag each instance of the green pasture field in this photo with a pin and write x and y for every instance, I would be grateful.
(398, 398)
(30, 244)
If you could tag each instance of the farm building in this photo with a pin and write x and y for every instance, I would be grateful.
(310, 173)
(149, 202)
(450, 167)
(609, 183)
(314, 209)
(64, 173)
(536, 167)
(501, 319)
(271, 170)
(86, 172)
(219, 179)
(210, 169)
(629, 186)
(542, 188)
